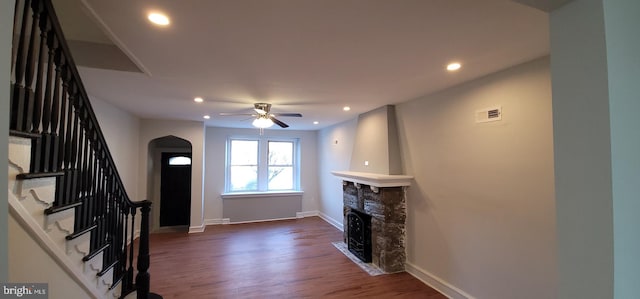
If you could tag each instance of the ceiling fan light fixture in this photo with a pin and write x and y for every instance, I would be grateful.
(262, 122)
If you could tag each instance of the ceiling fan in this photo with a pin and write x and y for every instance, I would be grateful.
(263, 118)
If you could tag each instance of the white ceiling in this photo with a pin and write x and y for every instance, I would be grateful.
(307, 56)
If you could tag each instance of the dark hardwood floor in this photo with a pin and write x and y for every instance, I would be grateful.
(279, 259)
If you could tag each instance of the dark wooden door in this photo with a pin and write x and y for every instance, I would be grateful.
(175, 191)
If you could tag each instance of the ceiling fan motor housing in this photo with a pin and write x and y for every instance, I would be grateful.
(262, 108)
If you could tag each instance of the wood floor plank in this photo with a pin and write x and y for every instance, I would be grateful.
(278, 259)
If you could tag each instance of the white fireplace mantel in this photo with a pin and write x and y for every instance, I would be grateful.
(374, 179)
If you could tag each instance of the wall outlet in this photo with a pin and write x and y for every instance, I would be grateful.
(366, 163)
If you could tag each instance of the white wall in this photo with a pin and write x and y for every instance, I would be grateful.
(6, 27)
(481, 213)
(215, 170)
(191, 131)
(121, 130)
(335, 145)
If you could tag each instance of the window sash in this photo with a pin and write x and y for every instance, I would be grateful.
(287, 178)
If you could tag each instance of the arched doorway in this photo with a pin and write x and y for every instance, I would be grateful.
(170, 182)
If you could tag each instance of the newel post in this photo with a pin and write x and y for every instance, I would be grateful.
(143, 278)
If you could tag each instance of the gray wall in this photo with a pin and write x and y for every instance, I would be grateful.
(595, 68)
(261, 208)
(156, 148)
(335, 145)
(256, 208)
(121, 130)
(6, 25)
(582, 151)
(376, 142)
(191, 131)
(481, 213)
(622, 22)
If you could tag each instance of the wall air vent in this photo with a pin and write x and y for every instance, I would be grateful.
(489, 114)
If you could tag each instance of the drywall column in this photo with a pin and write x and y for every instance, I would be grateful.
(582, 151)
(594, 82)
(6, 27)
(623, 61)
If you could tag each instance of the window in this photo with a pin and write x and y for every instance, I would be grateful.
(262, 164)
(280, 165)
(180, 160)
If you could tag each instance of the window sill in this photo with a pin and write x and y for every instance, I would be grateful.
(231, 195)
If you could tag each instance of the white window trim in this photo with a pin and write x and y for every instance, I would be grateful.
(232, 195)
(262, 166)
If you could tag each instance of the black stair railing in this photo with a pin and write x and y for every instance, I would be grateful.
(50, 105)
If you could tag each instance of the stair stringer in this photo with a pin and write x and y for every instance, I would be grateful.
(27, 201)
(50, 246)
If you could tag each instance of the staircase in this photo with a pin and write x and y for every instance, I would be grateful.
(28, 199)
(64, 189)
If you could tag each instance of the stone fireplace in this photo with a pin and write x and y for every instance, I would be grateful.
(379, 199)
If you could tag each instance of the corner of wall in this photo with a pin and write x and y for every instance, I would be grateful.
(6, 26)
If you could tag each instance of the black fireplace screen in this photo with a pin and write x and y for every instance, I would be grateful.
(359, 235)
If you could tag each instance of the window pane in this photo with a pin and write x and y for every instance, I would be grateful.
(180, 160)
(244, 152)
(280, 178)
(244, 178)
(280, 153)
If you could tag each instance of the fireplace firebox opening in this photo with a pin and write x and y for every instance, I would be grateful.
(359, 235)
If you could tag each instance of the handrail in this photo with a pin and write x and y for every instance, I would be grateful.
(50, 105)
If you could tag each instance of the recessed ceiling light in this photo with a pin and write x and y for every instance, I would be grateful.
(198, 100)
(346, 108)
(315, 122)
(158, 19)
(454, 66)
(206, 117)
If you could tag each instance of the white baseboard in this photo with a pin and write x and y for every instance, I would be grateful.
(436, 282)
(263, 220)
(331, 221)
(307, 214)
(196, 229)
(216, 221)
(201, 228)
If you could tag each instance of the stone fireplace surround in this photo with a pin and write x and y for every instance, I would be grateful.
(383, 197)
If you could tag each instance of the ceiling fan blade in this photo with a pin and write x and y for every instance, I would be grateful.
(277, 122)
(236, 114)
(287, 114)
